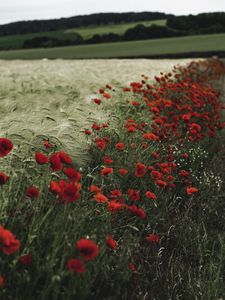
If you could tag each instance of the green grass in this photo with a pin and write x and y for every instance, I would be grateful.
(89, 31)
(16, 41)
(125, 49)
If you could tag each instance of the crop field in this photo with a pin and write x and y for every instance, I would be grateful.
(214, 42)
(112, 179)
(16, 41)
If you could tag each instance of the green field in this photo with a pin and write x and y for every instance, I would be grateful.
(16, 41)
(200, 43)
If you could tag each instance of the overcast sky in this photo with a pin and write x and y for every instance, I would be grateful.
(16, 10)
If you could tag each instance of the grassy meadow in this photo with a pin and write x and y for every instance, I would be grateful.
(112, 179)
(143, 48)
(16, 41)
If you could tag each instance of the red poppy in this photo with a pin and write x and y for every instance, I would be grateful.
(72, 173)
(161, 183)
(8, 243)
(3, 178)
(32, 192)
(6, 146)
(153, 238)
(87, 132)
(41, 158)
(97, 101)
(133, 195)
(150, 136)
(99, 197)
(123, 171)
(87, 249)
(150, 195)
(26, 259)
(2, 281)
(191, 190)
(55, 162)
(120, 146)
(107, 160)
(95, 189)
(76, 265)
(111, 242)
(156, 174)
(138, 211)
(114, 206)
(47, 144)
(71, 192)
(65, 158)
(140, 170)
(132, 267)
(106, 171)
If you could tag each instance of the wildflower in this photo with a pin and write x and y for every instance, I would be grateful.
(106, 171)
(114, 206)
(41, 158)
(72, 173)
(99, 197)
(3, 178)
(32, 192)
(133, 195)
(150, 195)
(150, 136)
(120, 146)
(87, 132)
(123, 171)
(156, 174)
(6, 146)
(107, 160)
(87, 249)
(191, 190)
(138, 211)
(95, 189)
(47, 144)
(71, 192)
(65, 158)
(140, 170)
(55, 162)
(8, 243)
(153, 238)
(132, 267)
(111, 242)
(161, 183)
(2, 281)
(26, 259)
(76, 265)
(97, 101)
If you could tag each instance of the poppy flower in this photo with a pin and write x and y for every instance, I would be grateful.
(106, 171)
(71, 192)
(55, 162)
(111, 242)
(95, 189)
(55, 187)
(65, 158)
(140, 170)
(32, 192)
(156, 174)
(107, 160)
(153, 238)
(123, 171)
(8, 243)
(133, 195)
(101, 143)
(41, 158)
(120, 146)
(3, 178)
(114, 206)
(132, 267)
(87, 132)
(99, 197)
(76, 265)
(97, 101)
(138, 211)
(6, 146)
(87, 249)
(150, 136)
(191, 190)
(2, 281)
(26, 259)
(150, 195)
(161, 183)
(47, 144)
(72, 173)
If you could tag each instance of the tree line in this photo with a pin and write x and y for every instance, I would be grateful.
(79, 21)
